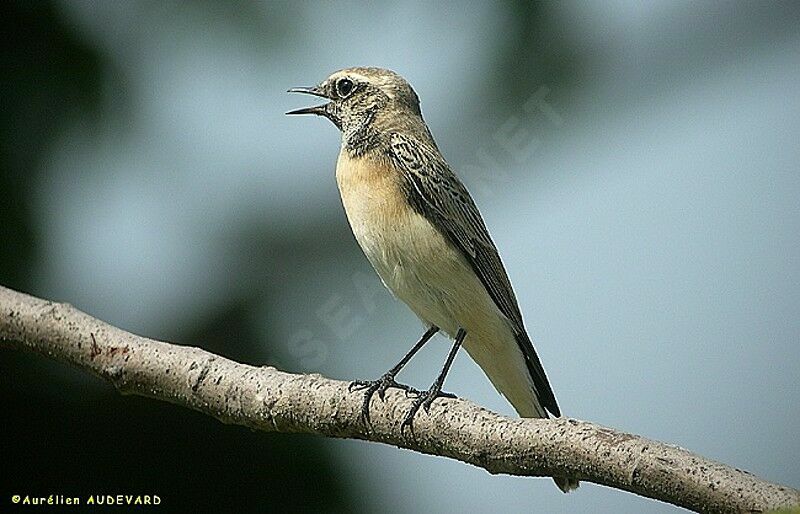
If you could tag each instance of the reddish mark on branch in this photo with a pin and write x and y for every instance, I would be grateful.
(611, 437)
(113, 350)
(95, 350)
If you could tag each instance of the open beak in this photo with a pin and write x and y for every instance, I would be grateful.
(319, 110)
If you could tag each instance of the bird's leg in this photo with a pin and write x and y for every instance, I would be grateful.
(370, 387)
(425, 399)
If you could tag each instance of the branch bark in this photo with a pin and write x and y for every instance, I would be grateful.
(267, 399)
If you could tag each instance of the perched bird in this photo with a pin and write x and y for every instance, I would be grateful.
(423, 234)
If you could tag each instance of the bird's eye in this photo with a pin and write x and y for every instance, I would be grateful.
(344, 87)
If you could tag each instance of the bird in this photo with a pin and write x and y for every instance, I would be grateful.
(423, 234)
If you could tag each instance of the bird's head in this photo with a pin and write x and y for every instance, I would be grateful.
(360, 96)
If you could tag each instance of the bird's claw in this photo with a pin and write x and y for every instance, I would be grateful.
(380, 386)
(358, 385)
(424, 400)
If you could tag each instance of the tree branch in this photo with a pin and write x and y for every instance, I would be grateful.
(266, 399)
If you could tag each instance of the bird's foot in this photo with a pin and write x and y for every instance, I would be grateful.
(423, 400)
(370, 387)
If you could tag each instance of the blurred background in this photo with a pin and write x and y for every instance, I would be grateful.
(636, 163)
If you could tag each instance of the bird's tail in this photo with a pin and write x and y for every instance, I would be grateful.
(566, 484)
(508, 369)
(540, 394)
